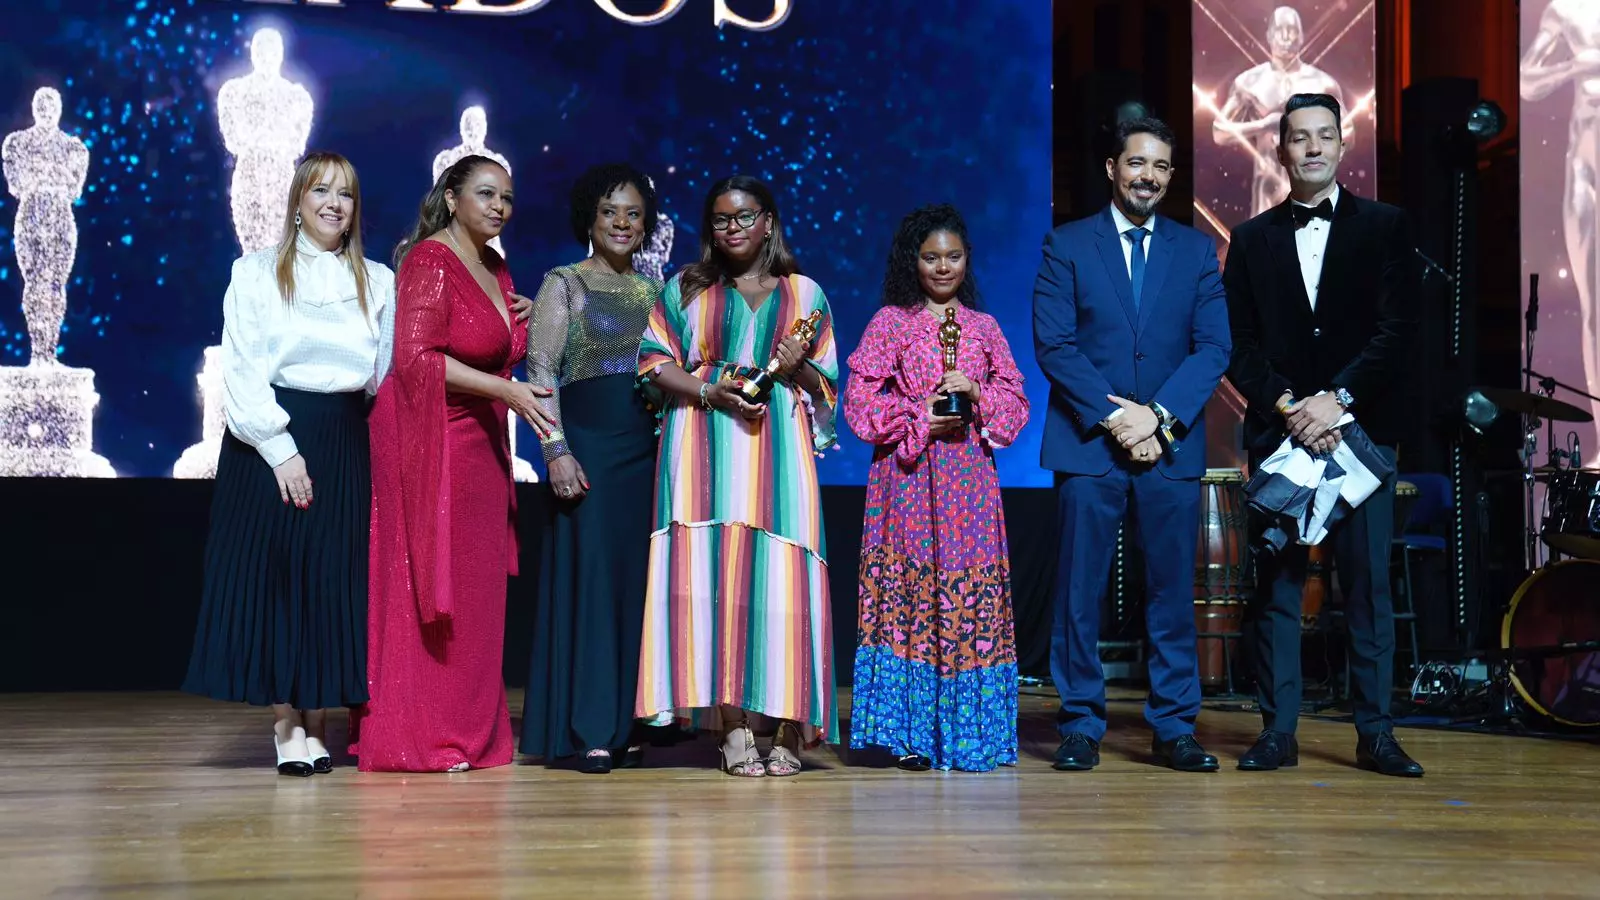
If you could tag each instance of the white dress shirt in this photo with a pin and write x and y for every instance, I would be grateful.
(1125, 225)
(1311, 243)
(320, 342)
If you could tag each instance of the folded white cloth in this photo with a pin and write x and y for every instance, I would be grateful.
(1303, 495)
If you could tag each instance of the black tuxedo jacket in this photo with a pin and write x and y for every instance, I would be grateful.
(1358, 338)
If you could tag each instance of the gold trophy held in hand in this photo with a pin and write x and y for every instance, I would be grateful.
(950, 342)
(755, 385)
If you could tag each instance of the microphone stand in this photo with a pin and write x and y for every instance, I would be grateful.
(1530, 427)
(1545, 379)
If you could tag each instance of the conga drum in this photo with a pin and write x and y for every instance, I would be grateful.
(1318, 588)
(1221, 581)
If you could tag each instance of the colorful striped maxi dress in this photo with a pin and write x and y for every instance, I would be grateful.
(736, 610)
(936, 663)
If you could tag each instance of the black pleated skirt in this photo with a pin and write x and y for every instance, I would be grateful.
(595, 557)
(283, 617)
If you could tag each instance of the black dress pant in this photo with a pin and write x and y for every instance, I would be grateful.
(1361, 550)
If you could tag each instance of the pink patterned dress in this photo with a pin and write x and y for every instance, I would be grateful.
(936, 666)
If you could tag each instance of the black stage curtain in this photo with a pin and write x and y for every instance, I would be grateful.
(102, 580)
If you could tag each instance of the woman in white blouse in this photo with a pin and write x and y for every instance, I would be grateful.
(307, 336)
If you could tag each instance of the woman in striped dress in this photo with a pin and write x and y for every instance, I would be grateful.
(736, 612)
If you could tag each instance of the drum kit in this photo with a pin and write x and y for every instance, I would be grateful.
(1549, 654)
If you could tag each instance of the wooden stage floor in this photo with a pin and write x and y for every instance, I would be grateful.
(162, 795)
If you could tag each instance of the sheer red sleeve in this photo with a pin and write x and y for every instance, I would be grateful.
(422, 332)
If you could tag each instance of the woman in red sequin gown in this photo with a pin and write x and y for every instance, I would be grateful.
(443, 505)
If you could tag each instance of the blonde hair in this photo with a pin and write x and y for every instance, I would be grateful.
(306, 175)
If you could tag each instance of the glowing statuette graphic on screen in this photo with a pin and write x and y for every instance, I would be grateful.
(1255, 103)
(651, 260)
(200, 460)
(474, 138)
(1575, 26)
(46, 408)
(474, 142)
(266, 121)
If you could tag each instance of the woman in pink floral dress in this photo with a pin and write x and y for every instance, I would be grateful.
(936, 668)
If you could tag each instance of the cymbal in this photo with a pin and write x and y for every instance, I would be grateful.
(1534, 405)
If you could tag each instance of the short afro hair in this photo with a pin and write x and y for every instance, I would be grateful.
(596, 184)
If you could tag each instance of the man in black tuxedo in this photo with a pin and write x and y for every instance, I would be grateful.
(1321, 293)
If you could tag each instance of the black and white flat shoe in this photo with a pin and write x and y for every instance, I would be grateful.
(298, 766)
(321, 760)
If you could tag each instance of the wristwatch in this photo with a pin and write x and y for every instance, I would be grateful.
(1343, 397)
(1164, 421)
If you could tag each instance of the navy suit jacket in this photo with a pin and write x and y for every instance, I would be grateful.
(1091, 340)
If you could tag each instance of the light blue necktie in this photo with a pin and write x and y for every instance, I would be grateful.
(1135, 236)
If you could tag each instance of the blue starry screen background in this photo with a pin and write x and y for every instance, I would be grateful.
(854, 112)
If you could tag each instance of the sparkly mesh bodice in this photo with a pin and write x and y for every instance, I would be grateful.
(586, 323)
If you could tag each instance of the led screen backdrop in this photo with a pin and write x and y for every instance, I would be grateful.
(147, 142)
(1250, 56)
(1560, 160)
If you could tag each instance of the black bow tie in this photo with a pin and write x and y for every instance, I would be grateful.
(1304, 214)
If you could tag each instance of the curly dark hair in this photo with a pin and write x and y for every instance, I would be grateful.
(597, 184)
(901, 285)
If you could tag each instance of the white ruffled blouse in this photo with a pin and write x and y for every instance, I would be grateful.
(321, 342)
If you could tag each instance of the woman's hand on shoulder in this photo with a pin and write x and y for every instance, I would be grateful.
(521, 307)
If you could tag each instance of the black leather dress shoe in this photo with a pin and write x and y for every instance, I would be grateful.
(1272, 750)
(1382, 754)
(1077, 753)
(595, 762)
(632, 757)
(1184, 754)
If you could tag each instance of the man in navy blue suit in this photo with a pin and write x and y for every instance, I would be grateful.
(1130, 325)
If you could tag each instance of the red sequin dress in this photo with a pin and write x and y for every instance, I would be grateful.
(443, 530)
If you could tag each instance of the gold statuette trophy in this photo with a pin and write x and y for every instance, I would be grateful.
(950, 342)
(755, 385)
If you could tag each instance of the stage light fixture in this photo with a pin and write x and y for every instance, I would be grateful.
(1485, 120)
(1479, 411)
(1130, 110)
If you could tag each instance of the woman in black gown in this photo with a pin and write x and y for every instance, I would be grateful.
(584, 343)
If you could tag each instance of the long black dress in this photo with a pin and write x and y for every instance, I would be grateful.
(584, 342)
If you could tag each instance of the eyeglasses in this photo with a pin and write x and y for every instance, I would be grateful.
(746, 219)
